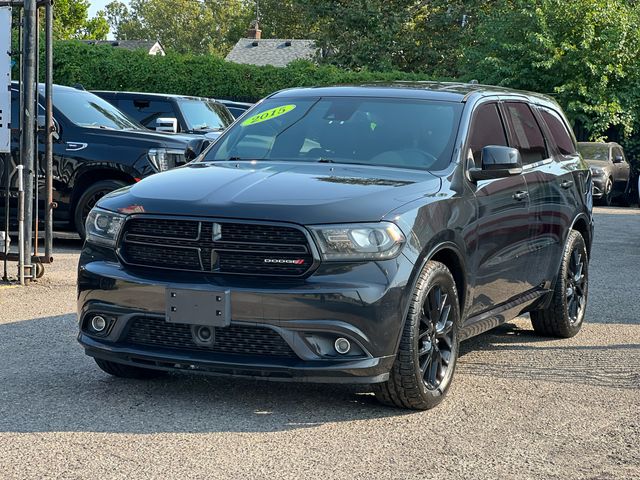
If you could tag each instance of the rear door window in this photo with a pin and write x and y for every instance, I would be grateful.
(559, 131)
(526, 135)
(147, 111)
(486, 129)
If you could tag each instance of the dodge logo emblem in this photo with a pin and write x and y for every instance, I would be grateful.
(288, 261)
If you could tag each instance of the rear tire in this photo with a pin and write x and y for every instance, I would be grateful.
(89, 198)
(428, 351)
(565, 314)
(127, 371)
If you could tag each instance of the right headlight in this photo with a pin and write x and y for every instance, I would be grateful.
(103, 227)
(359, 241)
(597, 171)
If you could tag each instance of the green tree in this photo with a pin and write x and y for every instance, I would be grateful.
(184, 26)
(363, 33)
(583, 52)
(71, 20)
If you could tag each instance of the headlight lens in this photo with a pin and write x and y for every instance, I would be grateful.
(102, 227)
(597, 172)
(361, 241)
(163, 159)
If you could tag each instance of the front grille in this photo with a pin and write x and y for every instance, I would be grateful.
(216, 247)
(235, 339)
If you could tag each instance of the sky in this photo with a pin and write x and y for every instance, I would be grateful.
(95, 5)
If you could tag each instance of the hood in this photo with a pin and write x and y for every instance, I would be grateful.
(276, 191)
(597, 163)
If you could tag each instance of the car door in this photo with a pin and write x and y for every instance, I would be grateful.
(543, 181)
(502, 228)
(621, 169)
(555, 198)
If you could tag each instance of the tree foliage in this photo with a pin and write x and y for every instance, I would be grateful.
(584, 53)
(71, 21)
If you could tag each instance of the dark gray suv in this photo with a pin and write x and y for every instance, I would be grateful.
(345, 234)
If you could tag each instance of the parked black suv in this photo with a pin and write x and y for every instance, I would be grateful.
(97, 149)
(610, 172)
(176, 113)
(345, 234)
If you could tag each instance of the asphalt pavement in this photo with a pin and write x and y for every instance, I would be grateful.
(520, 407)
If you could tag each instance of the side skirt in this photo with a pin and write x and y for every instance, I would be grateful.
(500, 314)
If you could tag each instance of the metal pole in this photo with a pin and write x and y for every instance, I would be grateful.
(48, 152)
(36, 192)
(21, 250)
(30, 123)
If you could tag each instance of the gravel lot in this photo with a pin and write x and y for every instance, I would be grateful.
(520, 406)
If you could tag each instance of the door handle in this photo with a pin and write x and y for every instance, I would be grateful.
(521, 195)
(566, 184)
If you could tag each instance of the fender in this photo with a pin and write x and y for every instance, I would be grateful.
(424, 258)
(552, 285)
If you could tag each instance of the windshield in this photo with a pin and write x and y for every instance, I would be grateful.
(370, 131)
(88, 110)
(205, 115)
(594, 152)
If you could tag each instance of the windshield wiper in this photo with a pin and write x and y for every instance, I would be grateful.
(326, 160)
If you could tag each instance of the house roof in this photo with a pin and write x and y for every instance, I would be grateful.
(150, 46)
(273, 51)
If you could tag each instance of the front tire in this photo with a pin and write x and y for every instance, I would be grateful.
(88, 200)
(127, 371)
(607, 193)
(564, 316)
(428, 351)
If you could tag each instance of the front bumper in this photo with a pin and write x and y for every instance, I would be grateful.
(598, 187)
(364, 303)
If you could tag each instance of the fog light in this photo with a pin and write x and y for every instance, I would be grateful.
(98, 323)
(342, 346)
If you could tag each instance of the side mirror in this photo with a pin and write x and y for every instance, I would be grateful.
(195, 147)
(497, 162)
(168, 125)
(42, 125)
(618, 159)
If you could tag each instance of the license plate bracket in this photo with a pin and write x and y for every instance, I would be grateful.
(198, 307)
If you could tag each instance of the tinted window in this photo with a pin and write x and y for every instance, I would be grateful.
(527, 136)
(559, 131)
(371, 131)
(617, 152)
(486, 129)
(147, 111)
(88, 110)
(204, 115)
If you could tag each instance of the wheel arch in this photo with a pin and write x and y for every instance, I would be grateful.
(87, 178)
(582, 225)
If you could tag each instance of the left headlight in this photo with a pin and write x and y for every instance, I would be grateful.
(360, 241)
(103, 227)
(597, 171)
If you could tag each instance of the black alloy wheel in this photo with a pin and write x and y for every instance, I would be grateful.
(607, 195)
(435, 338)
(564, 315)
(426, 359)
(576, 283)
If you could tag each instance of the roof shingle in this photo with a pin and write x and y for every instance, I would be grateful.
(272, 51)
